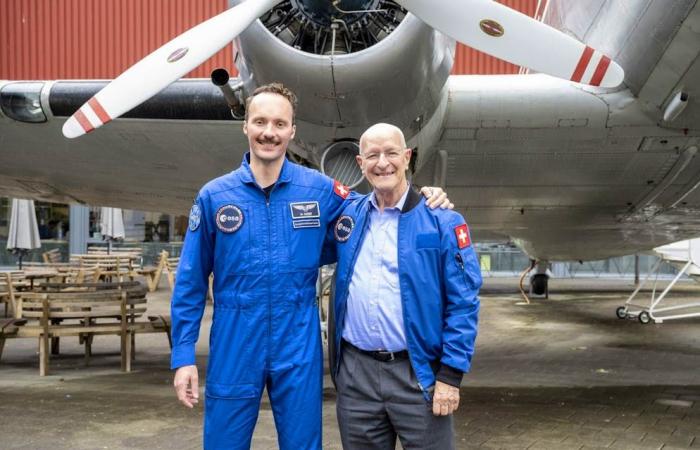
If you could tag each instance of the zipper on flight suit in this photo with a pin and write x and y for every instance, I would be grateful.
(268, 195)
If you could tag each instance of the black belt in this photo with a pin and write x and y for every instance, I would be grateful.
(379, 355)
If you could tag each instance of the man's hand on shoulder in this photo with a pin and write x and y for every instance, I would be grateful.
(445, 399)
(435, 197)
(187, 385)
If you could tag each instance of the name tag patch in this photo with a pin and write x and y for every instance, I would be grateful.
(305, 210)
(306, 223)
(195, 217)
(343, 228)
(305, 215)
(229, 218)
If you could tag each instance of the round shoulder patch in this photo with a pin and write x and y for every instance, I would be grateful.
(195, 217)
(343, 228)
(229, 218)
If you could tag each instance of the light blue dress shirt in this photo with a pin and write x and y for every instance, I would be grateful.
(374, 319)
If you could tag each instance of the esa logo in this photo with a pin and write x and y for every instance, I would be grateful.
(229, 218)
(343, 228)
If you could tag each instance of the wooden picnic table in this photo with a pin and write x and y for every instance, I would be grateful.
(45, 274)
(57, 310)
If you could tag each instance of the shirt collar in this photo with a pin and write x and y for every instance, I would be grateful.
(399, 204)
(247, 173)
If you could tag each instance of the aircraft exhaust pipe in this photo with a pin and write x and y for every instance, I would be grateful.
(338, 162)
(676, 106)
(220, 78)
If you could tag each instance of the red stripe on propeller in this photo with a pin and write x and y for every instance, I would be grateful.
(582, 64)
(600, 71)
(99, 110)
(83, 121)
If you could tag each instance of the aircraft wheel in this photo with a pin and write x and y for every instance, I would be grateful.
(644, 317)
(621, 312)
(539, 284)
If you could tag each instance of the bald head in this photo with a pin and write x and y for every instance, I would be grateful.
(383, 160)
(384, 132)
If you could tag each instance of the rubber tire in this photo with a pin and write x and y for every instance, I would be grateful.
(539, 284)
(644, 317)
(621, 312)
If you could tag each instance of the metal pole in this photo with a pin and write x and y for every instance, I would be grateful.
(636, 269)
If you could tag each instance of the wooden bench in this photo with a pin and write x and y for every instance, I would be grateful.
(167, 265)
(170, 265)
(52, 257)
(108, 266)
(10, 284)
(136, 253)
(84, 310)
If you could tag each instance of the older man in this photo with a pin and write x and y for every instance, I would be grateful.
(406, 308)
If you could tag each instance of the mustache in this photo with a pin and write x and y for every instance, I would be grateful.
(268, 141)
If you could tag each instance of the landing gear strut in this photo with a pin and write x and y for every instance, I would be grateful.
(539, 282)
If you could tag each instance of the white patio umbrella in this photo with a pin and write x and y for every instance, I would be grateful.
(112, 225)
(24, 231)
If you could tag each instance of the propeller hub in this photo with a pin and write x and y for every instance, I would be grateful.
(331, 27)
(324, 12)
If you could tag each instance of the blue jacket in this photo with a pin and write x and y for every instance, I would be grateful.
(439, 279)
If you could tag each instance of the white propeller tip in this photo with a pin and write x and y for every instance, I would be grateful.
(614, 76)
(72, 128)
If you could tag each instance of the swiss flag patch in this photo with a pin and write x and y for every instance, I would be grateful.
(462, 234)
(340, 190)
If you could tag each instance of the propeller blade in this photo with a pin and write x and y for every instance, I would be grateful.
(164, 66)
(514, 37)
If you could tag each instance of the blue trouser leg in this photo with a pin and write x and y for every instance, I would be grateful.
(229, 422)
(296, 399)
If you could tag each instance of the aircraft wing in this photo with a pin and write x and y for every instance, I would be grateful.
(566, 171)
(156, 158)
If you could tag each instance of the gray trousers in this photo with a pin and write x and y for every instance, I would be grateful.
(379, 400)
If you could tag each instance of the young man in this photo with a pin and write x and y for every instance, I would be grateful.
(259, 230)
(406, 308)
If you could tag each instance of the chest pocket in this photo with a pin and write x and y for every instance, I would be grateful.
(233, 240)
(428, 250)
(427, 240)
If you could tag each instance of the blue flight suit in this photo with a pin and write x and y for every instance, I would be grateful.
(439, 280)
(265, 254)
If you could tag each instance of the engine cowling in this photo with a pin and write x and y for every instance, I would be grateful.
(398, 76)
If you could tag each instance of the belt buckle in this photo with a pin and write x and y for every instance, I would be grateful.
(384, 356)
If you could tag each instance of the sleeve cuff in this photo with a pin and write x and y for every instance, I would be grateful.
(449, 375)
(182, 355)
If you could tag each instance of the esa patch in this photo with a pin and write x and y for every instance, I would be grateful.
(462, 234)
(305, 210)
(229, 218)
(195, 217)
(340, 189)
(343, 228)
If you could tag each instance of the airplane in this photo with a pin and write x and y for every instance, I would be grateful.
(594, 158)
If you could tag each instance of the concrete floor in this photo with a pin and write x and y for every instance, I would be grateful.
(562, 373)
